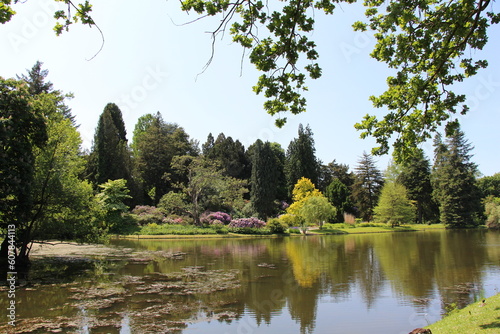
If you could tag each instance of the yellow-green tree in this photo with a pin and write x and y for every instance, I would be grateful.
(309, 204)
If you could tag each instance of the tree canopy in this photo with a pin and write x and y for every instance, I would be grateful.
(428, 44)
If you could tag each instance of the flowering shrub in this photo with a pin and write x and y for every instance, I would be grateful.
(247, 222)
(210, 217)
(146, 214)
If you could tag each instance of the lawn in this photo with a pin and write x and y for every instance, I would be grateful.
(476, 318)
(372, 228)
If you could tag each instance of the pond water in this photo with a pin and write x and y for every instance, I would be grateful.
(372, 283)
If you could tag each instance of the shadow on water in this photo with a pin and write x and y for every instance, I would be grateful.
(390, 282)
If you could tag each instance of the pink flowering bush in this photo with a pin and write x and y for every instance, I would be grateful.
(145, 214)
(210, 218)
(247, 223)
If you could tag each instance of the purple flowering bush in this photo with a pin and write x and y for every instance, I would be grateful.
(209, 218)
(247, 223)
(145, 214)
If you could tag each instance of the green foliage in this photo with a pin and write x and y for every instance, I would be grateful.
(424, 42)
(207, 187)
(316, 210)
(111, 198)
(291, 220)
(266, 180)
(301, 159)
(174, 203)
(416, 177)
(276, 226)
(156, 143)
(250, 230)
(454, 182)
(110, 156)
(394, 207)
(367, 186)
(229, 153)
(339, 196)
(155, 229)
(489, 185)
(492, 212)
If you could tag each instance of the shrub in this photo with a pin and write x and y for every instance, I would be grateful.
(208, 218)
(247, 222)
(145, 214)
(290, 220)
(155, 229)
(294, 230)
(276, 226)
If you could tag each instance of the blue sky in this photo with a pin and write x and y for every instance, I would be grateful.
(150, 62)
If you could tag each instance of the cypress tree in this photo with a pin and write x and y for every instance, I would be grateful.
(111, 156)
(263, 180)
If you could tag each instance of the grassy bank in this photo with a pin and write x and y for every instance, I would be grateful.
(187, 232)
(373, 228)
(476, 318)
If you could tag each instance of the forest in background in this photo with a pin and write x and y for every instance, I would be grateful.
(51, 189)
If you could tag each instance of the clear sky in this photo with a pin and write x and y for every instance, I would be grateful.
(150, 62)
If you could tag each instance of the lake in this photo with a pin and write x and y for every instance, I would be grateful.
(365, 283)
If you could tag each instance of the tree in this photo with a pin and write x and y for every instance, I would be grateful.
(63, 203)
(338, 195)
(303, 190)
(489, 185)
(492, 212)
(316, 210)
(230, 154)
(22, 129)
(156, 143)
(207, 186)
(423, 41)
(264, 183)
(394, 207)
(334, 170)
(111, 198)
(110, 157)
(454, 182)
(416, 177)
(301, 159)
(367, 186)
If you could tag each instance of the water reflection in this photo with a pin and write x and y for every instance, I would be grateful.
(322, 284)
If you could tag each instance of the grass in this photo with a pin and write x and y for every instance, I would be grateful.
(372, 228)
(475, 318)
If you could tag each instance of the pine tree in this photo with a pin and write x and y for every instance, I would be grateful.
(416, 177)
(367, 185)
(301, 159)
(454, 182)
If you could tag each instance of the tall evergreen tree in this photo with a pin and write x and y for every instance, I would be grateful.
(454, 181)
(265, 179)
(416, 177)
(110, 156)
(367, 186)
(301, 158)
(229, 153)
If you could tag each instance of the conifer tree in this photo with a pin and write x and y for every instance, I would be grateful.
(265, 179)
(416, 177)
(110, 157)
(301, 159)
(454, 181)
(366, 188)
